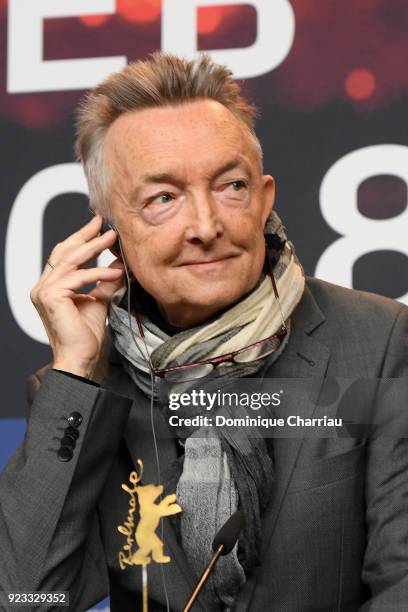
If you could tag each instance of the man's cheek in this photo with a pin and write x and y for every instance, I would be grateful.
(245, 228)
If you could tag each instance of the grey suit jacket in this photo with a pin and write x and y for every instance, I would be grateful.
(335, 531)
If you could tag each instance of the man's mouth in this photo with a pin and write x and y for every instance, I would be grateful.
(208, 263)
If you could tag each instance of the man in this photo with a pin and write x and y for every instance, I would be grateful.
(174, 165)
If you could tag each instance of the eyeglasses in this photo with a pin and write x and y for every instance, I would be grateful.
(249, 354)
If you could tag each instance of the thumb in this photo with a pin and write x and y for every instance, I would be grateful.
(104, 290)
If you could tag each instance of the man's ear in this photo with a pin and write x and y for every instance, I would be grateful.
(268, 196)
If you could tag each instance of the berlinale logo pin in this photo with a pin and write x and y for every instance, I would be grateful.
(150, 547)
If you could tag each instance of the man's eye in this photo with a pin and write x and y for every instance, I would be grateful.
(163, 198)
(237, 185)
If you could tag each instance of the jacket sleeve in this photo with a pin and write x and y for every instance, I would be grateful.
(385, 569)
(85, 380)
(49, 529)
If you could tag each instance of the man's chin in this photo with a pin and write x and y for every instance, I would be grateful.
(202, 302)
(212, 300)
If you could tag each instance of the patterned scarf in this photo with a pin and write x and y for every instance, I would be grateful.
(218, 472)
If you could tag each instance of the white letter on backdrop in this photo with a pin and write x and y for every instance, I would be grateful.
(275, 34)
(24, 240)
(360, 235)
(26, 69)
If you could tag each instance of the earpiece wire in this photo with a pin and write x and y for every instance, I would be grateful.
(152, 388)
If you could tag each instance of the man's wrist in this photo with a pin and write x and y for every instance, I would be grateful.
(85, 371)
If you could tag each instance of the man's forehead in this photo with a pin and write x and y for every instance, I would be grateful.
(142, 129)
(148, 148)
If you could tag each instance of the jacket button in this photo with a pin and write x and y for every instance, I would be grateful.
(75, 419)
(72, 432)
(65, 454)
(68, 442)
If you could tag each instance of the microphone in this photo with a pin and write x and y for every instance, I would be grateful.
(223, 543)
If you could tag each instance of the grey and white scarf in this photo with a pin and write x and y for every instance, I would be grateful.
(218, 474)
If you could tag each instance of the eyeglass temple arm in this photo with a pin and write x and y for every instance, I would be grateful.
(275, 289)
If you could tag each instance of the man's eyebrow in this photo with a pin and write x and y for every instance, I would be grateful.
(159, 177)
(231, 165)
(166, 177)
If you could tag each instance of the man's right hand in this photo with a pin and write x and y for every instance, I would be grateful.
(76, 322)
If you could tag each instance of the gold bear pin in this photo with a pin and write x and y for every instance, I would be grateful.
(150, 547)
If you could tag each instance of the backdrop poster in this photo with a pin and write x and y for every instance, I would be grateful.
(329, 80)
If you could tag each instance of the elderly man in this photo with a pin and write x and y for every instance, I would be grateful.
(174, 165)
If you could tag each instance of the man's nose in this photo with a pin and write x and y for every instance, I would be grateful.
(204, 223)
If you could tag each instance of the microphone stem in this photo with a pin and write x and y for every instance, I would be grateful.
(203, 579)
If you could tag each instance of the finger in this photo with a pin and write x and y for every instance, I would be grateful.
(85, 233)
(104, 290)
(82, 235)
(47, 270)
(83, 297)
(79, 255)
(76, 279)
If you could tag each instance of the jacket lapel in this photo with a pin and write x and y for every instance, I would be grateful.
(304, 358)
(286, 449)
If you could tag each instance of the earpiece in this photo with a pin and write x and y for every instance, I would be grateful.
(115, 248)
